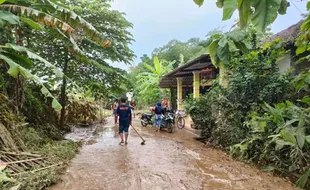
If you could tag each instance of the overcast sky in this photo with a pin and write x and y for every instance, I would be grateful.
(156, 22)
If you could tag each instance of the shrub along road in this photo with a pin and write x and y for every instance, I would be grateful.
(167, 161)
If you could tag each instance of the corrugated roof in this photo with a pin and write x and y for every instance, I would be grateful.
(185, 71)
(288, 35)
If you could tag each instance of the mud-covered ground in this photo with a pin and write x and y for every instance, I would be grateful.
(166, 161)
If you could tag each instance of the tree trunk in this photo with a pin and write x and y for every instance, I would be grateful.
(223, 75)
(63, 98)
(19, 94)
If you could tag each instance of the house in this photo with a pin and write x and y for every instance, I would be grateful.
(195, 77)
(290, 60)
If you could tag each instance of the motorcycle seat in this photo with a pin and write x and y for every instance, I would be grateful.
(147, 114)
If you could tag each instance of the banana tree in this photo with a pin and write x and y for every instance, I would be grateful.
(149, 81)
(13, 55)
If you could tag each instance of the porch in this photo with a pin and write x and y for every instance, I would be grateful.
(195, 77)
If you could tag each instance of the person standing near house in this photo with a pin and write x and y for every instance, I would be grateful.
(164, 102)
(114, 109)
(133, 106)
(164, 105)
(158, 114)
(124, 120)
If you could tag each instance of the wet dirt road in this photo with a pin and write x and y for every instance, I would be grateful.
(167, 161)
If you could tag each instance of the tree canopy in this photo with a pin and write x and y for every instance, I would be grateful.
(79, 52)
(261, 13)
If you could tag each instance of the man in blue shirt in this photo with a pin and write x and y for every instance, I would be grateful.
(125, 117)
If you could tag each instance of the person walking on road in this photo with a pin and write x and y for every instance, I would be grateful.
(133, 106)
(125, 118)
(114, 109)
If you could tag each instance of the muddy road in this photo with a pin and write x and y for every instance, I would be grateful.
(167, 161)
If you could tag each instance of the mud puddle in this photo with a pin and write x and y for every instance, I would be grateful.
(167, 161)
(87, 135)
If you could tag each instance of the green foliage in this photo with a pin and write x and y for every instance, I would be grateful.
(277, 137)
(39, 141)
(172, 51)
(88, 68)
(241, 116)
(303, 40)
(219, 119)
(42, 44)
(201, 113)
(7, 17)
(302, 181)
(148, 89)
(199, 2)
(109, 22)
(253, 79)
(4, 176)
(60, 151)
(16, 69)
(54, 20)
(261, 13)
(241, 119)
(222, 46)
(266, 11)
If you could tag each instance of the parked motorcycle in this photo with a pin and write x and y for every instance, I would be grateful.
(146, 119)
(167, 122)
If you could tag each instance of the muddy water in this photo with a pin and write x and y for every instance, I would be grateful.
(167, 161)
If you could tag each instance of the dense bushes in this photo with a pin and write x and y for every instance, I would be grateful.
(254, 79)
(279, 137)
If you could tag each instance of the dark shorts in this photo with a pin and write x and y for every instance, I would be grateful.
(115, 111)
(123, 129)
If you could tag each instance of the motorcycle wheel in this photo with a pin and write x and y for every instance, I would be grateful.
(170, 128)
(180, 122)
(144, 124)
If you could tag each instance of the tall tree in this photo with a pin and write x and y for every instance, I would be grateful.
(75, 45)
(37, 14)
(174, 49)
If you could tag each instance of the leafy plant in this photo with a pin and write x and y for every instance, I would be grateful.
(260, 12)
(302, 41)
(302, 181)
(278, 138)
(149, 81)
(3, 176)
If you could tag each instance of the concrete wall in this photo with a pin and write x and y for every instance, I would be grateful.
(285, 63)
